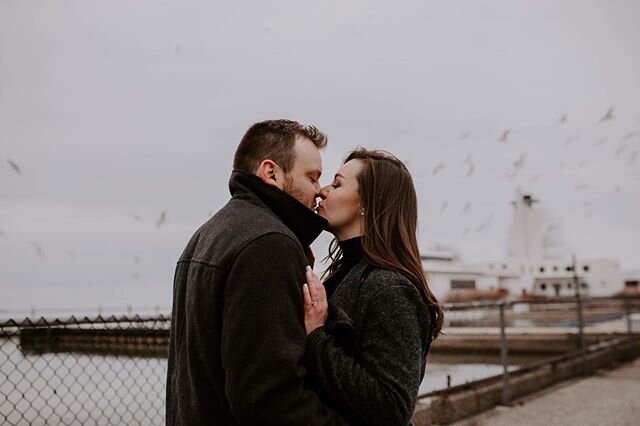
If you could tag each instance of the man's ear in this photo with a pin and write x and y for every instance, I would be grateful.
(270, 173)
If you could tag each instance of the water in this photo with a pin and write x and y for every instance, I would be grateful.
(79, 389)
(66, 388)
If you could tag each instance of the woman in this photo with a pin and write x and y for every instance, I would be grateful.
(369, 328)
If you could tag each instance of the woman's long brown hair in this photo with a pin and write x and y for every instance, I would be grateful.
(390, 204)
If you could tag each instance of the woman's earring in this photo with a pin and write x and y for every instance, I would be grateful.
(362, 212)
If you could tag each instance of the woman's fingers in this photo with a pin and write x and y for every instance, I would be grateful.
(306, 295)
(313, 282)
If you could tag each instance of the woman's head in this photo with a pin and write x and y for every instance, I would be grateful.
(373, 196)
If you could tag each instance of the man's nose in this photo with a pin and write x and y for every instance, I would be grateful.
(324, 192)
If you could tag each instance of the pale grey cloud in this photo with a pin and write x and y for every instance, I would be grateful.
(116, 109)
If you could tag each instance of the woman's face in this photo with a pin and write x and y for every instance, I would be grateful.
(340, 204)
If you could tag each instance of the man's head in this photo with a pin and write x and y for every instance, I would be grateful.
(284, 154)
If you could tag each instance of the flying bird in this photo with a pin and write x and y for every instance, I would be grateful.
(136, 218)
(608, 116)
(438, 168)
(464, 136)
(162, 219)
(630, 135)
(504, 135)
(472, 168)
(519, 163)
(39, 250)
(621, 149)
(467, 206)
(570, 139)
(443, 207)
(14, 166)
(600, 141)
(178, 49)
(633, 157)
(1, 233)
(534, 178)
(136, 259)
(562, 119)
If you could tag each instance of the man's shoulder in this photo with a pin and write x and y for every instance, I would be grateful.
(235, 226)
(253, 219)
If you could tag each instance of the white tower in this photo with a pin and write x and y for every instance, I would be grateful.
(533, 235)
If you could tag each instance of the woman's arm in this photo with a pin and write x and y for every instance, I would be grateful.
(380, 387)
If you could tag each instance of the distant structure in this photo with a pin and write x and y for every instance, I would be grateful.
(537, 264)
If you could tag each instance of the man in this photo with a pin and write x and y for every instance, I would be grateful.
(237, 327)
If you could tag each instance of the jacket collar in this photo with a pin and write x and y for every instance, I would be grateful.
(302, 221)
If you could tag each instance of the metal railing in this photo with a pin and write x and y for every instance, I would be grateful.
(112, 370)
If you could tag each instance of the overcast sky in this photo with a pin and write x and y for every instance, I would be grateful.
(129, 108)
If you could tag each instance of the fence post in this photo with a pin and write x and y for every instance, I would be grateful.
(627, 314)
(504, 356)
(583, 346)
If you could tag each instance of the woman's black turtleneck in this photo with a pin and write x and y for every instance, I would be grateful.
(351, 256)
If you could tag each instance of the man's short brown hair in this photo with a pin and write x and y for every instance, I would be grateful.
(274, 140)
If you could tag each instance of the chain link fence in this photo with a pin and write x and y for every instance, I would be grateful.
(102, 371)
(112, 371)
(489, 347)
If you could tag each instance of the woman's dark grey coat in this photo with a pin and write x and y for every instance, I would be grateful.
(369, 359)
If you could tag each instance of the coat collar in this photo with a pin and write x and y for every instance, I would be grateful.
(302, 221)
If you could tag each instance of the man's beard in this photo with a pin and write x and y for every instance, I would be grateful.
(289, 188)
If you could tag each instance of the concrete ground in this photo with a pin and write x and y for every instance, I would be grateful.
(607, 398)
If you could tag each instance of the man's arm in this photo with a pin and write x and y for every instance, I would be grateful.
(263, 337)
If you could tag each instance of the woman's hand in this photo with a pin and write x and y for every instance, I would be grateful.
(316, 307)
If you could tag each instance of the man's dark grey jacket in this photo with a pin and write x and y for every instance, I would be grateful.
(237, 327)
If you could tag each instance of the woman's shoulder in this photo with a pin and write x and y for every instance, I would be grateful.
(378, 280)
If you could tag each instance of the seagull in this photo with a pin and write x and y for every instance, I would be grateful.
(466, 231)
(608, 116)
(39, 250)
(14, 166)
(621, 149)
(630, 135)
(617, 188)
(570, 139)
(562, 119)
(471, 170)
(633, 157)
(520, 161)
(443, 207)
(467, 206)
(438, 168)
(505, 135)
(136, 259)
(178, 49)
(1, 233)
(464, 136)
(136, 218)
(600, 141)
(135, 276)
(161, 220)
